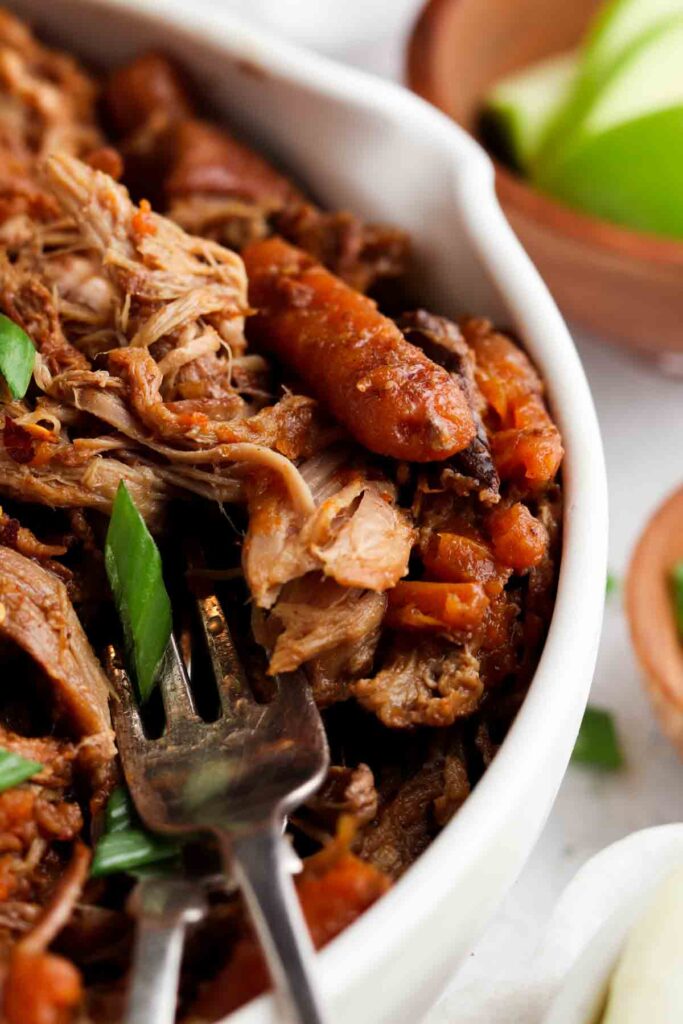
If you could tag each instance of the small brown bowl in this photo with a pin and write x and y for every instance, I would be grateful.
(625, 285)
(650, 610)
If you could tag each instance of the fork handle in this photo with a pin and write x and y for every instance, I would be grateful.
(258, 860)
(166, 907)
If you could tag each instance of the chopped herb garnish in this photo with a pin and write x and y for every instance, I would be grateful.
(126, 851)
(17, 356)
(120, 814)
(126, 845)
(597, 744)
(134, 569)
(15, 769)
(677, 591)
(612, 584)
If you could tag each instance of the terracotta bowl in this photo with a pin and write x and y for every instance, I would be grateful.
(624, 285)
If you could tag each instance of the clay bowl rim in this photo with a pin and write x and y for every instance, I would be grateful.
(513, 190)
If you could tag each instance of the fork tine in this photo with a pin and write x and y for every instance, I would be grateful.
(127, 721)
(227, 668)
(175, 687)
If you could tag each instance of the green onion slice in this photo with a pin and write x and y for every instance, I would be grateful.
(677, 591)
(126, 845)
(15, 769)
(17, 356)
(134, 569)
(126, 851)
(597, 744)
(120, 814)
(611, 584)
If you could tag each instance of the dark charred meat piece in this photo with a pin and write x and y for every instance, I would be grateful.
(361, 254)
(149, 87)
(345, 791)
(443, 342)
(206, 160)
(411, 812)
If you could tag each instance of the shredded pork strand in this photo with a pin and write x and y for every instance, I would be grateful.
(37, 615)
(316, 616)
(355, 534)
(432, 683)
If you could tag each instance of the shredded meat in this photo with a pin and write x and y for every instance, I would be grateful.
(33, 816)
(346, 791)
(166, 278)
(48, 104)
(37, 615)
(409, 816)
(317, 615)
(215, 186)
(84, 475)
(431, 684)
(363, 255)
(40, 987)
(355, 534)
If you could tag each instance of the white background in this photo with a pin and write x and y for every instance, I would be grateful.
(641, 415)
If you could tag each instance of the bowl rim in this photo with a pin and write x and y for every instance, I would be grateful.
(549, 717)
(514, 190)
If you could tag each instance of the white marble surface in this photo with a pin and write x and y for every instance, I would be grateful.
(641, 414)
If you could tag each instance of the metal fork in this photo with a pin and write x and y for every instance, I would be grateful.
(238, 778)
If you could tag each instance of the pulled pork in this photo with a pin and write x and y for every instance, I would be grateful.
(394, 531)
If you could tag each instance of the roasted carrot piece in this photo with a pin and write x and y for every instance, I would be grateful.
(41, 988)
(503, 372)
(525, 443)
(519, 539)
(455, 558)
(386, 392)
(417, 604)
(528, 455)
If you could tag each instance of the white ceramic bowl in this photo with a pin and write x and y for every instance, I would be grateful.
(373, 147)
(595, 915)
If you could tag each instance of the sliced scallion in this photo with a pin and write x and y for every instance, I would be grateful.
(126, 845)
(597, 744)
(134, 569)
(126, 851)
(17, 356)
(677, 592)
(15, 769)
(120, 814)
